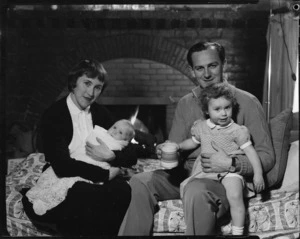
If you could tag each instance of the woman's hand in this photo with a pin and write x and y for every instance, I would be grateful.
(113, 172)
(99, 152)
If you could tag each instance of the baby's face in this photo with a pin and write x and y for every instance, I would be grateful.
(120, 131)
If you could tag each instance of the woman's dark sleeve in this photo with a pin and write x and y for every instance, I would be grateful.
(126, 157)
(56, 142)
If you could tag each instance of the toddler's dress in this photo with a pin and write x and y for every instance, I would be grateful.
(231, 138)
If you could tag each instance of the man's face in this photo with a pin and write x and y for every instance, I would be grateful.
(207, 67)
(86, 91)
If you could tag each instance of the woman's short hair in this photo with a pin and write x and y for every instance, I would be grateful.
(91, 68)
(216, 91)
(201, 46)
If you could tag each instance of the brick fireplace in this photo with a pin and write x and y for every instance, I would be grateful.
(143, 52)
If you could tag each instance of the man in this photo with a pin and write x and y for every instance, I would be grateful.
(204, 199)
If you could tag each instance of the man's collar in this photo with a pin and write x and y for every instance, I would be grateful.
(73, 108)
(212, 125)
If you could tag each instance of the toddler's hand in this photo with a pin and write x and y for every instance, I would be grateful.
(258, 182)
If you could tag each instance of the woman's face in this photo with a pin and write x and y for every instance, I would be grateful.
(86, 91)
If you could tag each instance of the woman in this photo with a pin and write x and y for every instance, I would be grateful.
(89, 209)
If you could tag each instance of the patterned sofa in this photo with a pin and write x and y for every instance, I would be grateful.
(273, 214)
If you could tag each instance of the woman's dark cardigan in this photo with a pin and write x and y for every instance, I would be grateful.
(57, 133)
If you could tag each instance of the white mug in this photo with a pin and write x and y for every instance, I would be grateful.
(169, 155)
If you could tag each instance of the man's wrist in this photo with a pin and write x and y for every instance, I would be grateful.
(232, 167)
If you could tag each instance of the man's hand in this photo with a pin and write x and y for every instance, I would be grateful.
(99, 152)
(218, 162)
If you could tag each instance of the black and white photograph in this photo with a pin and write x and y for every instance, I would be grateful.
(149, 118)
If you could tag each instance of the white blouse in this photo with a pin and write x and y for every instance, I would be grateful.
(82, 127)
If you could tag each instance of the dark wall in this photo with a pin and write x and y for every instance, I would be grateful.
(42, 46)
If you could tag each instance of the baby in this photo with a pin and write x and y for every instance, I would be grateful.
(50, 190)
(116, 138)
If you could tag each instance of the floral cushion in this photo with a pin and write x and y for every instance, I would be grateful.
(279, 213)
(23, 175)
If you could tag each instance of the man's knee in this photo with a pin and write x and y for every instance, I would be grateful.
(196, 188)
(140, 177)
(139, 182)
(200, 184)
(205, 190)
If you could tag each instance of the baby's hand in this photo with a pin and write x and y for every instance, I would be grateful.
(258, 182)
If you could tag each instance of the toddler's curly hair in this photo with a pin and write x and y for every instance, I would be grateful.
(216, 91)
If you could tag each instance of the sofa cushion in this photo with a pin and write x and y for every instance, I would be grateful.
(280, 127)
(290, 180)
(263, 217)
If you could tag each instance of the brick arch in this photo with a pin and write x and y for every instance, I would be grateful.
(111, 47)
(153, 48)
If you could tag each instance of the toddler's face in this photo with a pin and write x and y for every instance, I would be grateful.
(120, 131)
(220, 111)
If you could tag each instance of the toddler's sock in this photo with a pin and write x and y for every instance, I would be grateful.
(237, 230)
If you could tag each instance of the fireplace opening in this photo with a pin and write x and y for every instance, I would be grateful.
(149, 124)
(151, 119)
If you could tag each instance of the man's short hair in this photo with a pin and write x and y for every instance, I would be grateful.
(201, 46)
